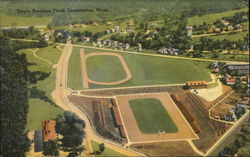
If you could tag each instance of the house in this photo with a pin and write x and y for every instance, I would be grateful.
(48, 129)
(86, 39)
(241, 68)
(217, 30)
(230, 28)
(126, 47)
(108, 31)
(230, 81)
(225, 22)
(95, 23)
(163, 50)
(154, 24)
(232, 109)
(109, 23)
(238, 26)
(112, 30)
(230, 117)
(46, 37)
(116, 28)
(210, 30)
(128, 29)
(131, 23)
(189, 31)
(217, 70)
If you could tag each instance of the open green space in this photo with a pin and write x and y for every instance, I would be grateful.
(14, 20)
(38, 108)
(145, 70)
(49, 53)
(230, 37)
(75, 70)
(198, 20)
(107, 151)
(105, 68)
(151, 116)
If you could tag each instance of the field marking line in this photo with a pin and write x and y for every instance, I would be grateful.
(123, 63)
(195, 148)
(84, 70)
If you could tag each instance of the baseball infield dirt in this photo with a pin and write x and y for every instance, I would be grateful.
(134, 134)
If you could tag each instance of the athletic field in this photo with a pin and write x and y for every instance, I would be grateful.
(101, 70)
(151, 116)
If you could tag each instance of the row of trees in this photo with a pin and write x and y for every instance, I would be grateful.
(14, 101)
(23, 33)
(208, 44)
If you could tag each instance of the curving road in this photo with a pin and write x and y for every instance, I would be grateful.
(60, 97)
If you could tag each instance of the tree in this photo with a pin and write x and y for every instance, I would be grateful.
(49, 26)
(101, 148)
(14, 100)
(70, 126)
(241, 144)
(239, 86)
(51, 148)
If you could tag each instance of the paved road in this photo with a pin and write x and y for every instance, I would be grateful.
(60, 97)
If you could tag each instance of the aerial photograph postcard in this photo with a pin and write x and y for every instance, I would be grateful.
(124, 78)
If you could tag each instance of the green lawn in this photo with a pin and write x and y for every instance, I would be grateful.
(11, 20)
(75, 70)
(105, 68)
(230, 37)
(107, 152)
(39, 109)
(151, 116)
(49, 53)
(145, 70)
(198, 20)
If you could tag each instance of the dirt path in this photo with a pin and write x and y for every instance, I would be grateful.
(85, 80)
(124, 65)
(45, 60)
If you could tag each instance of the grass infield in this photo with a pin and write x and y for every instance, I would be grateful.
(100, 68)
(151, 116)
